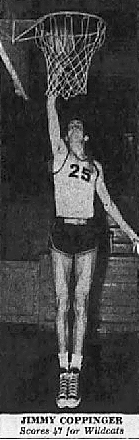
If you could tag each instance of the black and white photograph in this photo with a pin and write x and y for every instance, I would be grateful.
(69, 284)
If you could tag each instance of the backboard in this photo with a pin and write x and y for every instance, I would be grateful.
(15, 57)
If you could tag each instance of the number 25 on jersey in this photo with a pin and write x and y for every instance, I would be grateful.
(85, 173)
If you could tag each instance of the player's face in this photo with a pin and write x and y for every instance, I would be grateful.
(75, 135)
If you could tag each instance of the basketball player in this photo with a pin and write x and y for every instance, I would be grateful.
(73, 242)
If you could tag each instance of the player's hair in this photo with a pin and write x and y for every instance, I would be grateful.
(75, 116)
(77, 120)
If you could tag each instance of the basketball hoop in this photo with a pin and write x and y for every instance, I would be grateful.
(68, 41)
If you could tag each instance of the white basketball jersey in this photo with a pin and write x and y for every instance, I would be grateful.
(74, 189)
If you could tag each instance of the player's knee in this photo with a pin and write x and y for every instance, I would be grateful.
(78, 307)
(62, 305)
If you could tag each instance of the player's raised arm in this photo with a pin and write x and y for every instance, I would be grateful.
(53, 124)
(110, 206)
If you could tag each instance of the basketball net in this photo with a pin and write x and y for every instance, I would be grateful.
(68, 54)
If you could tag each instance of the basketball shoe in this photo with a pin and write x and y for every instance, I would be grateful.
(62, 396)
(74, 397)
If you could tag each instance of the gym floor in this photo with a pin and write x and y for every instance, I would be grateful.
(29, 372)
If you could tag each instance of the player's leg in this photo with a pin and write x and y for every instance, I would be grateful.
(62, 265)
(84, 269)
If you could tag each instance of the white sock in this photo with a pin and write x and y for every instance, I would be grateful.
(63, 360)
(76, 361)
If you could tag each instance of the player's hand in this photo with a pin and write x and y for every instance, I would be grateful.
(136, 246)
(51, 98)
